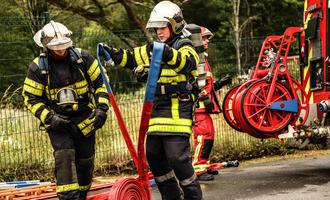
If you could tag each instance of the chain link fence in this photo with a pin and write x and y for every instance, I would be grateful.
(24, 147)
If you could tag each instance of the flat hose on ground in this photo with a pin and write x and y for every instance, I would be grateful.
(127, 189)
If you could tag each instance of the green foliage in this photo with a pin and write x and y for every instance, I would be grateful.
(117, 29)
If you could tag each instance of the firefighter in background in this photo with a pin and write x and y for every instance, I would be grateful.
(203, 124)
(170, 126)
(58, 90)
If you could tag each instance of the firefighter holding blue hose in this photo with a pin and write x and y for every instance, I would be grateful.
(59, 89)
(170, 126)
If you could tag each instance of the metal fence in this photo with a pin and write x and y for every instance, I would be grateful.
(23, 145)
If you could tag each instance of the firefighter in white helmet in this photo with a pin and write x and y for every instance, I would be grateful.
(167, 145)
(57, 90)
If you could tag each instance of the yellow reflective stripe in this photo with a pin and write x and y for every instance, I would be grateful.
(176, 79)
(137, 56)
(198, 149)
(170, 121)
(35, 107)
(168, 72)
(92, 68)
(103, 100)
(85, 187)
(101, 89)
(183, 61)
(194, 73)
(170, 129)
(26, 98)
(66, 188)
(201, 167)
(32, 90)
(43, 115)
(201, 104)
(144, 54)
(174, 58)
(36, 61)
(80, 87)
(91, 106)
(82, 83)
(34, 84)
(86, 126)
(33, 87)
(185, 52)
(175, 108)
(82, 90)
(194, 53)
(93, 71)
(124, 59)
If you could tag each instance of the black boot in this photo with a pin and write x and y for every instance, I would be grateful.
(213, 172)
(205, 177)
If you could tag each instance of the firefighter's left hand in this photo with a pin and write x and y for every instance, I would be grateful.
(209, 106)
(167, 53)
(222, 82)
(141, 72)
(100, 118)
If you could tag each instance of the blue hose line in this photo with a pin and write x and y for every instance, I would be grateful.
(107, 58)
(157, 54)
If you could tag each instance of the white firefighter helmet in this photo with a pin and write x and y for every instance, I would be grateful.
(206, 32)
(54, 36)
(164, 13)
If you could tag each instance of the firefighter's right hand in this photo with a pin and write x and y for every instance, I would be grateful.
(141, 72)
(58, 122)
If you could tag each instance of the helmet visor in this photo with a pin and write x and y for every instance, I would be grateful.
(59, 43)
(157, 24)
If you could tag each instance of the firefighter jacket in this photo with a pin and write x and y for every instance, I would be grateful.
(40, 90)
(173, 103)
(209, 91)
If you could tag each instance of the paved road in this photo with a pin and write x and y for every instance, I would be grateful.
(298, 179)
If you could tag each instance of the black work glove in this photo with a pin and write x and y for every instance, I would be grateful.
(167, 52)
(100, 118)
(209, 106)
(222, 82)
(115, 54)
(141, 73)
(58, 122)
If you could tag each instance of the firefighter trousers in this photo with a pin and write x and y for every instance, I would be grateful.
(203, 141)
(74, 162)
(170, 162)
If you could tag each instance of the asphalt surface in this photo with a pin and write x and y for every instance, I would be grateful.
(297, 179)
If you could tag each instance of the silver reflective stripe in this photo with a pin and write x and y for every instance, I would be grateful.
(188, 181)
(165, 177)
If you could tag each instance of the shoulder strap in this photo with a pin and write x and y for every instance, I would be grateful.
(181, 42)
(76, 58)
(43, 63)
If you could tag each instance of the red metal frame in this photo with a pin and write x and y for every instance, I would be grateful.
(269, 82)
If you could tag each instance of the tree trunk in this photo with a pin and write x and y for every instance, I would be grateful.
(237, 39)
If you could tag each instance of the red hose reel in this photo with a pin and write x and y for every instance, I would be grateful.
(271, 99)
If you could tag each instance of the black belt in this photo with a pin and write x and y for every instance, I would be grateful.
(173, 89)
